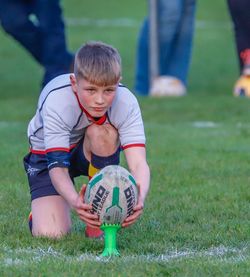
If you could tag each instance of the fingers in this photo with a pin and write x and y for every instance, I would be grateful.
(93, 220)
(91, 223)
(138, 210)
(82, 207)
(138, 207)
(138, 187)
(140, 199)
(89, 218)
(83, 211)
(82, 191)
(132, 218)
(86, 214)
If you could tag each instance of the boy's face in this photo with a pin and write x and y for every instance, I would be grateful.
(95, 99)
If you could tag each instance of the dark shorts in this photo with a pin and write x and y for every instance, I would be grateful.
(36, 167)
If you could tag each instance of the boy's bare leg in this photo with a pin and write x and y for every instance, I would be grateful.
(50, 216)
(102, 140)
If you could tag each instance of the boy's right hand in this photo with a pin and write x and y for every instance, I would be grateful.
(83, 210)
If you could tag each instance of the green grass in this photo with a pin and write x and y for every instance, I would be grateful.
(196, 219)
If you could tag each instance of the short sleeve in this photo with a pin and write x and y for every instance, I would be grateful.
(127, 118)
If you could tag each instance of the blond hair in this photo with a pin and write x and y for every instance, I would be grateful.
(98, 63)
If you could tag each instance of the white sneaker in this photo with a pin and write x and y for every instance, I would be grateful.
(167, 86)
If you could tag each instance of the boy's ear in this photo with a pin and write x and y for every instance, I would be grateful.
(119, 81)
(73, 82)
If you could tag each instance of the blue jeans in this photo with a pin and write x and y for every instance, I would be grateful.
(43, 38)
(175, 33)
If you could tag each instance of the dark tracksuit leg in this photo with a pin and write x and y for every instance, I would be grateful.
(240, 13)
(43, 38)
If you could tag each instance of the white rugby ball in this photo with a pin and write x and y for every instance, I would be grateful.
(113, 193)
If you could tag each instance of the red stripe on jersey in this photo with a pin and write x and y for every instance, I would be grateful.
(39, 152)
(43, 152)
(57, 149)
(133, 145)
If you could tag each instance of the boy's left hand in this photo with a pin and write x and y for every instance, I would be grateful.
(138, 210)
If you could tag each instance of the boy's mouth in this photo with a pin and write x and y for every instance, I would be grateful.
(98, 109)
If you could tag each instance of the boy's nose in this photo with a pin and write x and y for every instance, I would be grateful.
(99, 99)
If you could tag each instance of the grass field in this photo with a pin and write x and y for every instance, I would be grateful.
(196, 220)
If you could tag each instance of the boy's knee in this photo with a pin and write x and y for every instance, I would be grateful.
(46, 232)
(102, 134)
(102, 139)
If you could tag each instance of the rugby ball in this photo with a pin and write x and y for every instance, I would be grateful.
(113, 193)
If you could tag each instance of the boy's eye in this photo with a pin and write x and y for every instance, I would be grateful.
(110, 90)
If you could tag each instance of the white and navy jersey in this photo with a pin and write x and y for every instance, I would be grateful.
(60, 120)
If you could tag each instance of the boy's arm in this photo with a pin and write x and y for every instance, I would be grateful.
(61, 180)
(136, 159)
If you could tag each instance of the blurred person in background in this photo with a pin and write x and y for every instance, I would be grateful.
(240, 13)
(175, 35)
(39, 27)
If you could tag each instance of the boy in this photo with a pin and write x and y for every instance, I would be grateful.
(82, 121)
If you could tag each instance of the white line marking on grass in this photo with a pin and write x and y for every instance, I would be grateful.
(205, 124)
(131, 23)
(220, 254)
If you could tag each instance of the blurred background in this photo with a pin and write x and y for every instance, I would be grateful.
(213, 68)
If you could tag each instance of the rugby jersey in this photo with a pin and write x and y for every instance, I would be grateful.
(60, 120)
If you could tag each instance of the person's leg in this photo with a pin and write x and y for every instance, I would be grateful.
(239, 10)
(181, 46)
(50, 212)
(142, 60)
(101, 148)
(169, 26)
(50, 216)
(172, 50)
(169, 19)
(14, 18)
(44, 39)
(56, 58)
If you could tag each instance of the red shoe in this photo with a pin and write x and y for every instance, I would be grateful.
(94, 233)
